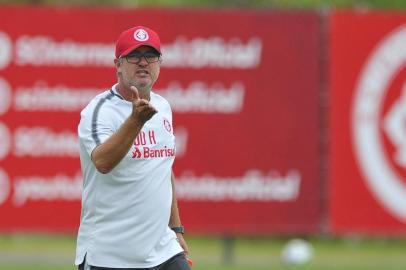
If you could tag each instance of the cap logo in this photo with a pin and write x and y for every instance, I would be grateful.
(141, 35)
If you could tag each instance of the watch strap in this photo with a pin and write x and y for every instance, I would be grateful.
(178, 229)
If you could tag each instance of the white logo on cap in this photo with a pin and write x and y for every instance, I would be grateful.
(5, 50)
(4, 186)
(5, 142)
(379, 172)
(141, 35)
(5, 96)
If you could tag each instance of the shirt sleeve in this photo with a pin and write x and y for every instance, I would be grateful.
(96, 125)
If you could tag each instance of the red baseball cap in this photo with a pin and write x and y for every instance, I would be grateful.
(135, 37)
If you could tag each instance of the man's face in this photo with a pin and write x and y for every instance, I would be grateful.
(135, 70)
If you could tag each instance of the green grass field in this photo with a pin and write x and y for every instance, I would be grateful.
(45, 252)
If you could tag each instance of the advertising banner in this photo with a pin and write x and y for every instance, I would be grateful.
(244, 93)
(368, 127)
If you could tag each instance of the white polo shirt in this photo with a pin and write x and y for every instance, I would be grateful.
(125, 213)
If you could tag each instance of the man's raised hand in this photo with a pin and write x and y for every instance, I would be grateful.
(142, 109)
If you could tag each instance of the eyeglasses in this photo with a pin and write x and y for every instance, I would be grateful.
(135, 57)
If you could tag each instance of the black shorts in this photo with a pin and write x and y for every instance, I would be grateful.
(177, 262)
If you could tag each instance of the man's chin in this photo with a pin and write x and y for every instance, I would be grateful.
(143, 84)
(143, 87)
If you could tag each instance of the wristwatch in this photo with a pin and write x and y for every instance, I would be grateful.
(179, 229)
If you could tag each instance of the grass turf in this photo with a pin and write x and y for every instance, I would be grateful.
(35, 252)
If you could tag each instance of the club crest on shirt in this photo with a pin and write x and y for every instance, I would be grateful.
(167, 125)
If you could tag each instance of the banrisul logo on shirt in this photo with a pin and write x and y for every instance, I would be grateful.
(145, 147)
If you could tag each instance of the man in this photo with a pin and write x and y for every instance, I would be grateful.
(130, 218)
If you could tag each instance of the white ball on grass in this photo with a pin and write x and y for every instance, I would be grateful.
(297, 252)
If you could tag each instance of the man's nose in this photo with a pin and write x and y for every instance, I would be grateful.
(143, 61)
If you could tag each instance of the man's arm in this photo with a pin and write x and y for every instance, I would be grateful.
(107, 155)
(174, 220)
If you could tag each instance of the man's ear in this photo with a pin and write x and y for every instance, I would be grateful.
(117, 62)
